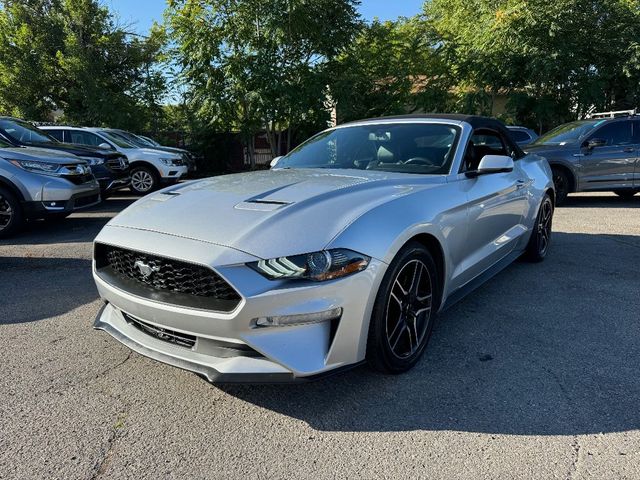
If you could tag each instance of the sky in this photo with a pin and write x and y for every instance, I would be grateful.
(142, 13)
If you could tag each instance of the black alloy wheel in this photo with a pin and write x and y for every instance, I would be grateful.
(404, 312)
(540, 241)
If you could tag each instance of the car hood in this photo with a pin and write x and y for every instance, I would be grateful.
(40, 154)
(270, 213)
(78, 150)
(150, 153)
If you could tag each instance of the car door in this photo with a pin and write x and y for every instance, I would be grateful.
(496, 206)
(611, 165)
(636, 143)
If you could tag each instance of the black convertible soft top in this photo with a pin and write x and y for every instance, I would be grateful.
(476, 122)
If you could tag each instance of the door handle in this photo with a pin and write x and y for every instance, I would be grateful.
(520, 184)
(629, 149)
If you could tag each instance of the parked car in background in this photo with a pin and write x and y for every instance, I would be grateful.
(145, 142)
(344, 252)
(593, 155)
(111, 169)
(41, 183)
(522, 135)
(150, 168)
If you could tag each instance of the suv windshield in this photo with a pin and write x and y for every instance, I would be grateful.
(567, 133)
(425, 148)
(117, 139)
(24, 132)
(130, 138)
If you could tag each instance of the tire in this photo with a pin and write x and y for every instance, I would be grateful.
(540, 240)
(403, 314)
(626, 194)
(143, 180)
(562, 184)
(11, 216)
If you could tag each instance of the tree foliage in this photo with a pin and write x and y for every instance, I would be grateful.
(253, 64)
(71, 55)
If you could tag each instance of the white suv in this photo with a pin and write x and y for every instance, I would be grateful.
(150, 168)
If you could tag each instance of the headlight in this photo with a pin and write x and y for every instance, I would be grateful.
(168, 161)
(37, 167)
(94, 160)
(317, 266)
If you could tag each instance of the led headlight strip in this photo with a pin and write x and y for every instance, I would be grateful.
(317, 266)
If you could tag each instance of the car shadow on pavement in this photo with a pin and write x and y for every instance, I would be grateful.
(33, 289)
(542, 349)
(81, 226)
(601, 201)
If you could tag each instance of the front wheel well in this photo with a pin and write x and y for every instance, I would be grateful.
(12, 188)
(143, 163)
(567, 171)
(432, 244)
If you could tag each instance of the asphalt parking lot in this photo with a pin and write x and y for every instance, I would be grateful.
(536, 375)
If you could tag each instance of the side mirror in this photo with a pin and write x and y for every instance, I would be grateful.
(105, 145)
(274, 162)
(492, 164)
(595, 143)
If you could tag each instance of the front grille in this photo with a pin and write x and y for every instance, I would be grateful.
(79, 179)
(164, 279)
(161, 333)
(117, 163)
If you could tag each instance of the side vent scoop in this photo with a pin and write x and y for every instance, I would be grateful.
(260, 205)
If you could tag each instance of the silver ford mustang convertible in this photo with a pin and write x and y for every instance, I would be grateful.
(343, 252)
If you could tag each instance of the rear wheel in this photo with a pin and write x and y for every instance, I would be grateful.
(626, 194)
(540, 241)
(11, 218)
(561, 183)
(143, 180)
(404, 312)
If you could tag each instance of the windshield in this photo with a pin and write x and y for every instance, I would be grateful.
(131, 138)
(117, 139)
(151, 141)
(567, 133)
(425, 148)
(24, 132)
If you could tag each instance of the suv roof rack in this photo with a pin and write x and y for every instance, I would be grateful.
(614, 114)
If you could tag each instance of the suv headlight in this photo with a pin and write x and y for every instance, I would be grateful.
(317, 266)
(93, 161)
(168, 161)
(45, 168)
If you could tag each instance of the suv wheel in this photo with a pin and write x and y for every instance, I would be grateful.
(10, 213)
(143, 180)
(561, 183)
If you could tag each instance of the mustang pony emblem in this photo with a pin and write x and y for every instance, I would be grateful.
(145, 269)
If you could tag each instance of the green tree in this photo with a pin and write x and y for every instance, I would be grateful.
(252, 65)
(71, 55)
(556, 60)
(391, 68)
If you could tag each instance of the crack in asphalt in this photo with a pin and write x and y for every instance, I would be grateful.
(102, 463)
(575, 464)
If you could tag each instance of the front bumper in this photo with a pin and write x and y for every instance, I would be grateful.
(59, 197)
(169, 173)
(280, 354)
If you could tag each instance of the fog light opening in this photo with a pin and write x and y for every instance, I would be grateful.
(300, 319)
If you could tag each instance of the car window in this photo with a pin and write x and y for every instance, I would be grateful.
(520, 135)
(57, 134)
(24, 132)
(567, 133)
(616, 133)
(421, 148)
(118, 140)
(84, 138)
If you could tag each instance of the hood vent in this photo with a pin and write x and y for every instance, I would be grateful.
(259, 205)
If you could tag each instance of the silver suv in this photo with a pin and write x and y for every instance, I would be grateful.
(593, 155)
(39, 183)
